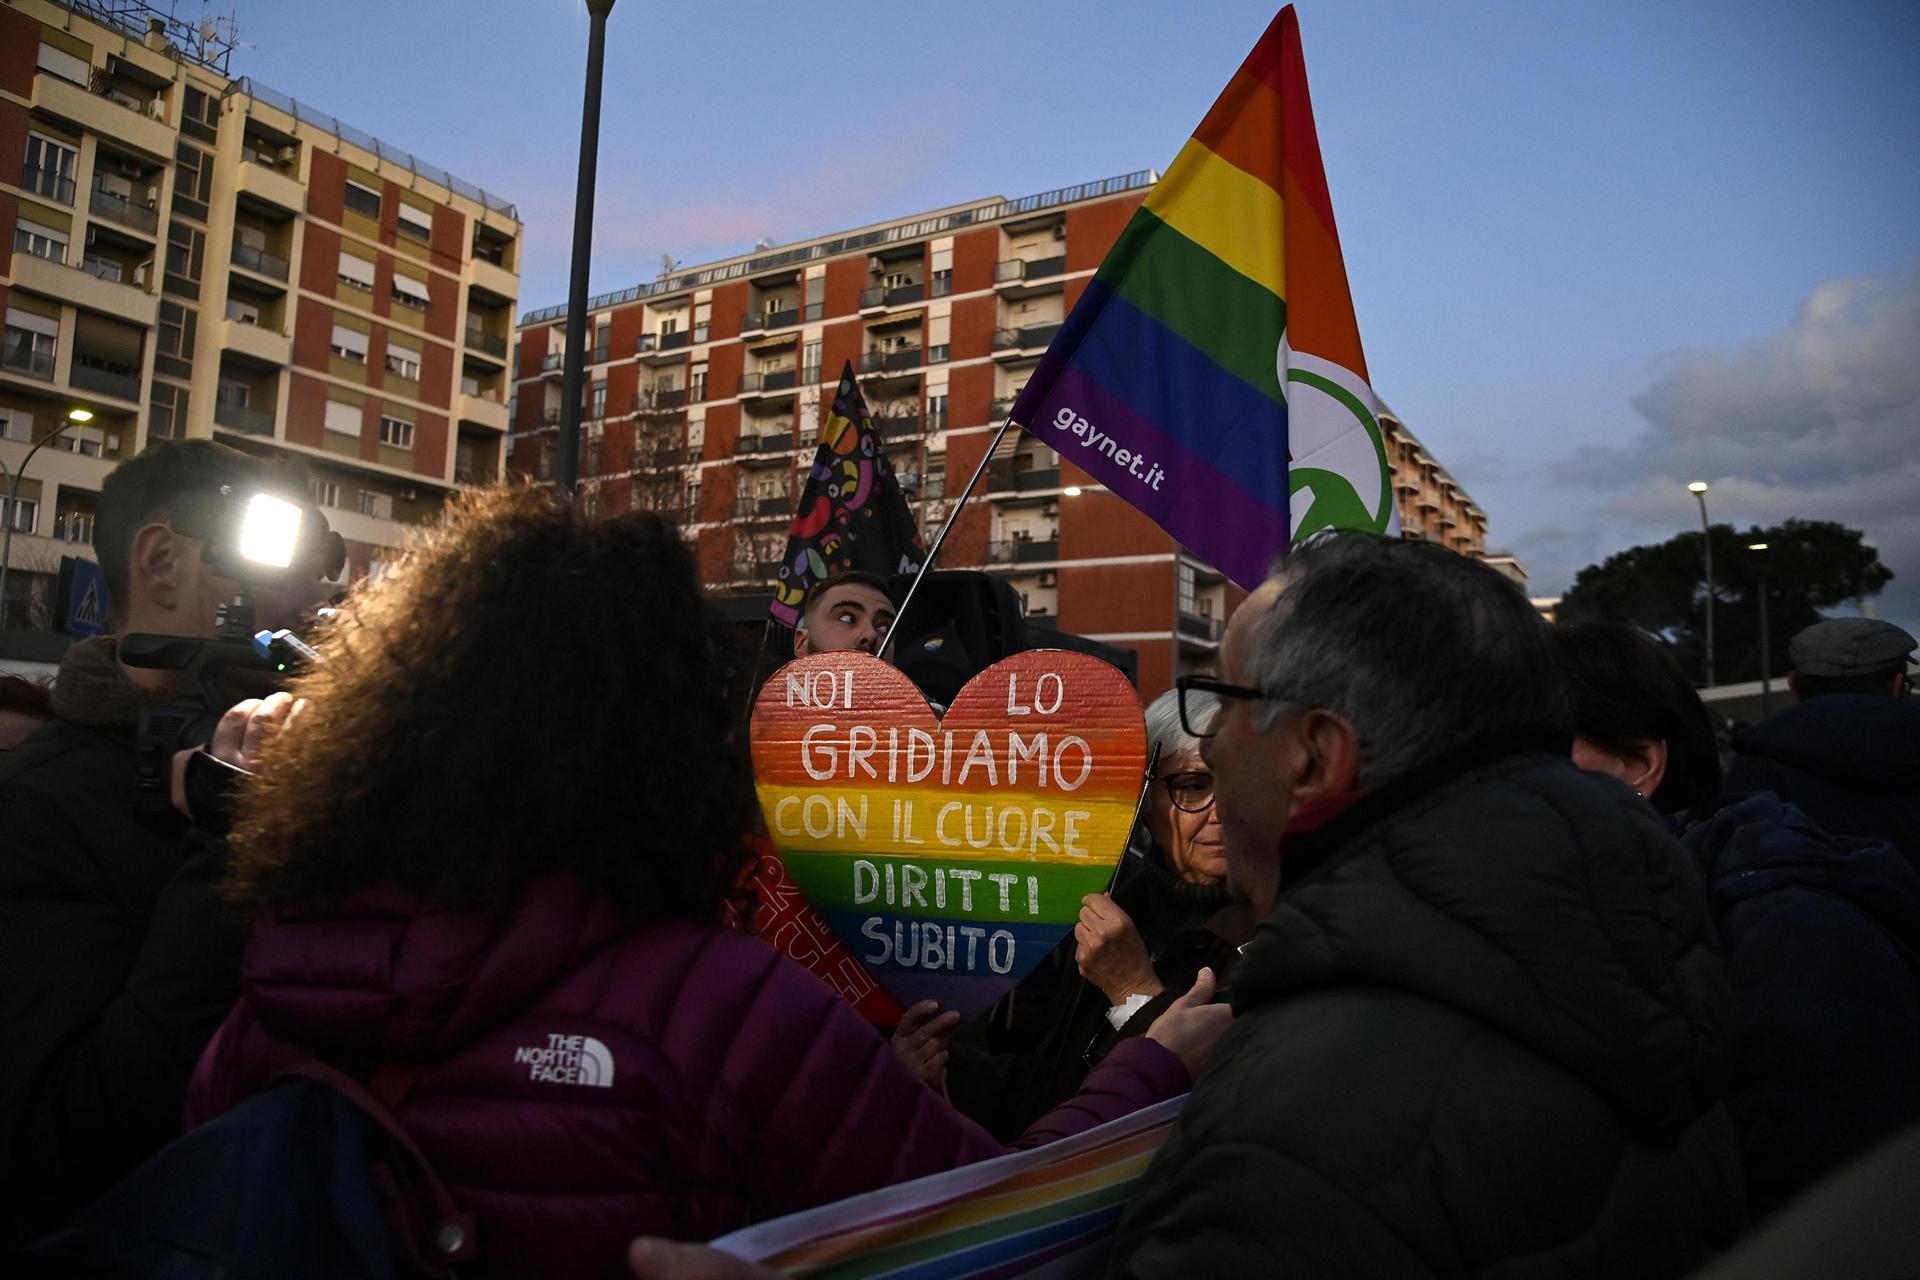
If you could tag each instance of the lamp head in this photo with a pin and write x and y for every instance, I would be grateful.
(79, 415)
(1756, 546)
(1698, 486)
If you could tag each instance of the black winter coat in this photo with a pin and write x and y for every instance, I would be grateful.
(1474, 1038)
(117, 959)
(1851, 762)
(1821, 936)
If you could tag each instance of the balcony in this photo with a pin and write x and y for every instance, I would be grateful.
(553, 366)
(893, 425)
(255, 422)
(999, 409)
(750, 323)
(491, 277)
(104, 380)
(1002, 477)
(752, 445)
(45, 182)
(259, 261)
(769, 382)
(776, 507)
(675, 341)
(480, 411)
(899, 360)
(85, 289)
(1194, 627)
(1014, 272)
(663, 458)
(273, 187)
(1023, 551)
(118, 209)
(487, 344)
(661, 400)
(258, 342)
(1030, 340)
(94, 113)
(753, 322)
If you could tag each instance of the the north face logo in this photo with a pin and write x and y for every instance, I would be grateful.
(567, 1060)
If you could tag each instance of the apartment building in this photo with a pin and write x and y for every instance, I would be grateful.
(706, 390)
(194, 255)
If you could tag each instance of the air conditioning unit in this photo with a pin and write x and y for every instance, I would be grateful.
(408, 494)
(1050, 579)
(287, 155)
(1050, 510)
(1060, 232)
(131, 168)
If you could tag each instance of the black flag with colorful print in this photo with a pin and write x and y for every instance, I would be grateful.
(851, 514)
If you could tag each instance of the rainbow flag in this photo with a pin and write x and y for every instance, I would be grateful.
(1050, 1211)
(1212, 374)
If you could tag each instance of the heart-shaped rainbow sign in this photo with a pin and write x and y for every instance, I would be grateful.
(951, 854)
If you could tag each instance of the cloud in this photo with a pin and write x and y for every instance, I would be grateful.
(1820, 421)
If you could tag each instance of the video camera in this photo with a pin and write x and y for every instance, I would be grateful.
(261, 540)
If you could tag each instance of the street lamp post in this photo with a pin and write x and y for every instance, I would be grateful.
(1766, 649)
(566, 474)
(1699, 490)
(75, 417)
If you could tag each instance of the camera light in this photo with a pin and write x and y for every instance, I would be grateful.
(270, 530)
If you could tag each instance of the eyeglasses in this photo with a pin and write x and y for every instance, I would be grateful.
(1191, 792)
(1199, 720)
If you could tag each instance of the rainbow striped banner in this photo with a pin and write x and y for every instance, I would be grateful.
(949, 854)
(1212, 374)
(1048, 1212)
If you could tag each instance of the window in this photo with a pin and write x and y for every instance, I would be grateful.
(669, 325)
(16, 424)
(49, 168)
(173, 330)
(84, 441)
(234, 393)
(403, 361)
(73, 526)
(409, 292)
(942, 283)
(599, 400)
(24, 515)
(363, 199)
(898, 280)
(377, 505)
(326, 493)
(417, 223)
(195, 180)
(187, 252)
(343, 419)
(356, 271)
(936, 412)
(396, 432)
(697, 384)
(810, 362)
(202, 108)
(1184, 588)
(40, 241)
(349, 344)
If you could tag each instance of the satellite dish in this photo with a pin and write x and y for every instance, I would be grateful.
(208, 31)
(763, 243)
(667, 263)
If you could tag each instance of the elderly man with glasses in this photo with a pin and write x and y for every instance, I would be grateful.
(1476, 1029)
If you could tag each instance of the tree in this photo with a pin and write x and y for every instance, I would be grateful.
(1809, 565)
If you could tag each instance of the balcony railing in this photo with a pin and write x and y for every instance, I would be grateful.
(481, 340)
(768, 381)
(751, 323)
(552, 362)
(895, 361)
(35, 364)
(1023, 551)
(1199, 628)
(644, 344)
(550, 417)
(1025, 339)
(1002, 477)
(892, 425)
(108, 382)
(666, 457)
(664, 400)
(753, 507)
(763, 444)
(119, 209)
(999, 409)
(1015, 270)
(256, 422)
(259, 260)
(675, 340)
(48, 183)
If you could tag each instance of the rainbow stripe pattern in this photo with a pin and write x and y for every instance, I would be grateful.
(1212, 374)
(949, 855)
(1050, 1211)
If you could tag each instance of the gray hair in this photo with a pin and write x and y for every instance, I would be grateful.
(1164, 729)
(1421, 650)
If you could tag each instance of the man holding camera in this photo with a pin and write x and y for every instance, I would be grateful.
(117, 958)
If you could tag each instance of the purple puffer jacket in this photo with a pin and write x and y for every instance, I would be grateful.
(587, 1081)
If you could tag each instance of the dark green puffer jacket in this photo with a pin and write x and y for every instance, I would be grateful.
(1476, 1037)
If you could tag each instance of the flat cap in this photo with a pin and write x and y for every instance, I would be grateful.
(1842, 647)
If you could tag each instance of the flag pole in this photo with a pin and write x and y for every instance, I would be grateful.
(933, 552)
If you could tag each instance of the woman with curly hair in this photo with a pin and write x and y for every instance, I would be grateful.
(489, 855)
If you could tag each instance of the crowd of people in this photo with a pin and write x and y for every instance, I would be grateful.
(1468, 952)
